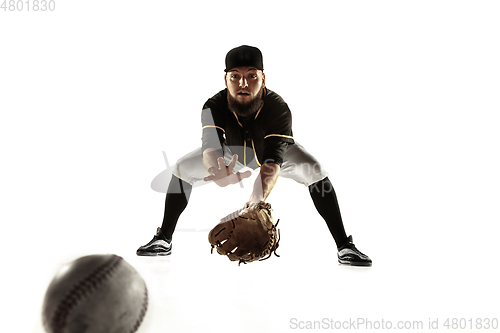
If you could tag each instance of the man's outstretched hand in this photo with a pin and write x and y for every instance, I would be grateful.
(224, 175)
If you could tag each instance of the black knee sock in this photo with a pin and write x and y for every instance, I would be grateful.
(176, 201)
(325, 200)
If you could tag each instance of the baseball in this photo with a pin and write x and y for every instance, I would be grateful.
(95, 293)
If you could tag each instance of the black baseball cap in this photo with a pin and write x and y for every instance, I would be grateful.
(244, 55)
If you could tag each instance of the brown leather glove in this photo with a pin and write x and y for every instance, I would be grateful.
(246, 235)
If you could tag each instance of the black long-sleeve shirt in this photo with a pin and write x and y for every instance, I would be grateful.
(257, 139)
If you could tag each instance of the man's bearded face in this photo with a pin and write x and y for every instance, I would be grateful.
(246, 87)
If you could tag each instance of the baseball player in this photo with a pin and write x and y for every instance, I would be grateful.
(247, 125)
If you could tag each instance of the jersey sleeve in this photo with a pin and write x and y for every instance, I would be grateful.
(278, 135)
(212, 128)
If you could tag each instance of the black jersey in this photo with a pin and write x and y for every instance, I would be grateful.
(257, 139)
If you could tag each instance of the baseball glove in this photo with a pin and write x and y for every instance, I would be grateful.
(246, 235)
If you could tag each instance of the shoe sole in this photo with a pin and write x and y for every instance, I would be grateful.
(149, 254)
(354, 263)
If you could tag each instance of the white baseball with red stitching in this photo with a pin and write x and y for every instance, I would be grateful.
(95, 293)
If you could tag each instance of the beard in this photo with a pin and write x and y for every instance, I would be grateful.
(248, 108)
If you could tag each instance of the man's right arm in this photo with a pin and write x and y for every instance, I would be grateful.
(210, 156)
(213, 160)
(221, 173)
(212, 131)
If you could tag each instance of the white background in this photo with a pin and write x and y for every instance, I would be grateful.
(398, 99)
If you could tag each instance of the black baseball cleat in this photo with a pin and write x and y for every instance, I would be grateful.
(158, 246)
(349, 255)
